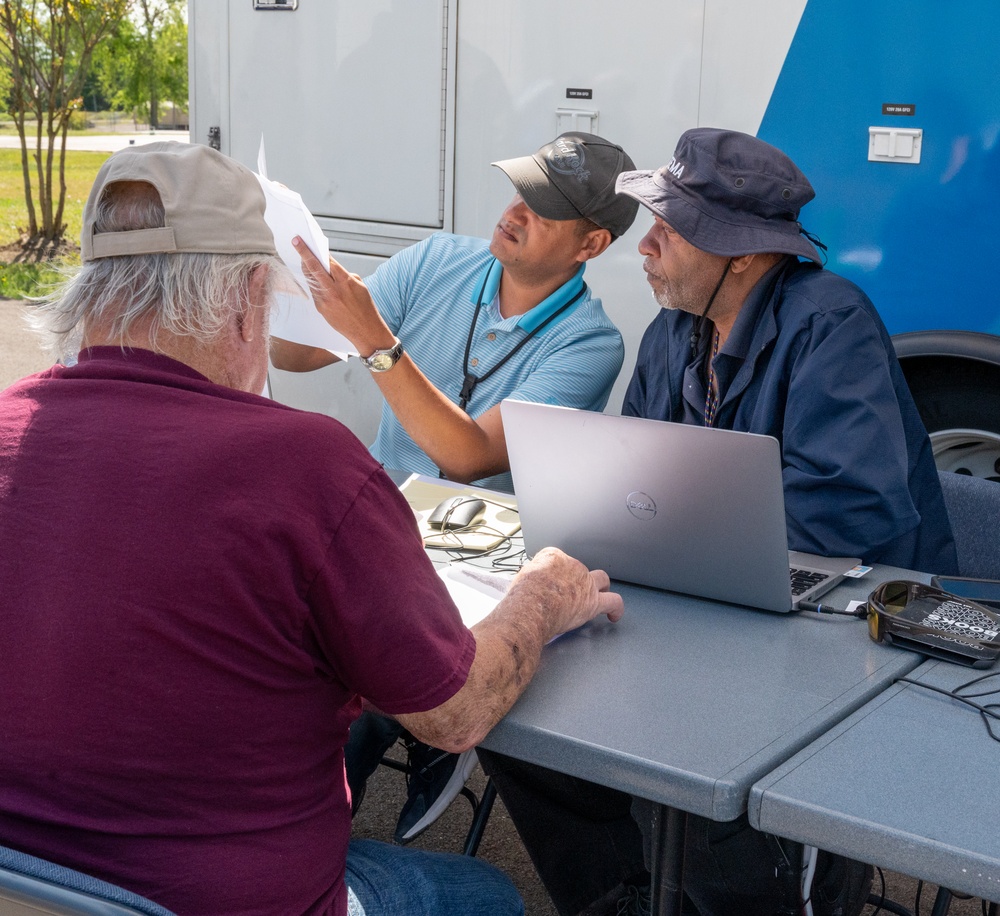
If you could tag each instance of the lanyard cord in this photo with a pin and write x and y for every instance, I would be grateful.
(470, 381)
(701, 320)
(711, 396)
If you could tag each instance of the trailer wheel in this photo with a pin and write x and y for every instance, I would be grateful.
(958, 395)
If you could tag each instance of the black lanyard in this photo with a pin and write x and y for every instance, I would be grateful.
(470, 381)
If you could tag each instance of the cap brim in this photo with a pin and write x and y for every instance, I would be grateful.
(536, 190)
(727, 238)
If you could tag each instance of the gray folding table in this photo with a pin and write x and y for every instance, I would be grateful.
(688, 703)
(908, 782)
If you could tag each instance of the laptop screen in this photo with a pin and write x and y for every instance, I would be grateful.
(684, 508)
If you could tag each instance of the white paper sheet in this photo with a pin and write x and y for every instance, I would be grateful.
(475, 591)
(295, 316)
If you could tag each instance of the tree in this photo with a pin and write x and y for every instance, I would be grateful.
(4, 86)
(47, 45)
(146, 62)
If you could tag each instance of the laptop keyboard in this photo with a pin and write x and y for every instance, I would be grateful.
(804, 579)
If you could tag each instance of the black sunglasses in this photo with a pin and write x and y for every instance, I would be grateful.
(934, 622)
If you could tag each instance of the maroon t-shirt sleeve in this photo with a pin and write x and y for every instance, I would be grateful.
(381, 614)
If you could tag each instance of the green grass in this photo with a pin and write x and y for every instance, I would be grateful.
(20, 281)
(81, 169)
(26, 281)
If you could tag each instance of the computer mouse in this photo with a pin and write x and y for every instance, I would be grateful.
(456, 512)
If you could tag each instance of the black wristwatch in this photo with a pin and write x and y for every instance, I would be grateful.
(384, 360)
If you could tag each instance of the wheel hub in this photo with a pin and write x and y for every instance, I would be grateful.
(967, 451)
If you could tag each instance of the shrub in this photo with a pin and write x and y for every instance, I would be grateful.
(27, 281)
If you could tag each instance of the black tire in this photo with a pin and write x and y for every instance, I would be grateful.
(954, 393)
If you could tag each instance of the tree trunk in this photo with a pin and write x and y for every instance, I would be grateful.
(154, 102)
(26, 175)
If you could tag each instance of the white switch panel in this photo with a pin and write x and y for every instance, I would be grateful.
(892, 144)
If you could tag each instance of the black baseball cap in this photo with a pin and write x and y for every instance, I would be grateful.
(574, 177)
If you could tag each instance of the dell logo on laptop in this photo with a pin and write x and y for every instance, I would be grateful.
(641, 505)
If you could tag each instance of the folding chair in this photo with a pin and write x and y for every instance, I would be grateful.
(30, 886)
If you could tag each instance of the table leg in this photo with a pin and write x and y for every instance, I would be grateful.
(789, 870)
(942, 902)
(667, 860)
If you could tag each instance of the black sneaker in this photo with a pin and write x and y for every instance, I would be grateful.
(435, 778)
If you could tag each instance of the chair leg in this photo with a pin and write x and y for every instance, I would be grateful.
(394, 765)
(481, 814)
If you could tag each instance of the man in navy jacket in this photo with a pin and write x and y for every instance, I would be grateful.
(752, 338)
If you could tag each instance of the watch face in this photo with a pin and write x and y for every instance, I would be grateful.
(381, 361)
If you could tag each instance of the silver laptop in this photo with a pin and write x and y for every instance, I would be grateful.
(683, 508)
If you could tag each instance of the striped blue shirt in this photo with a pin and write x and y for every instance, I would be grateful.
(427, 294)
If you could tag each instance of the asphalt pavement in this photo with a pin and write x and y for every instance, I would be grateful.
(106, 143)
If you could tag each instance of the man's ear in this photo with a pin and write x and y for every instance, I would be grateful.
(593, 244)
(738, 265)
(763, 262)
(253, 313)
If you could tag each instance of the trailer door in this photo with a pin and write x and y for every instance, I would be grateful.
(352, 98)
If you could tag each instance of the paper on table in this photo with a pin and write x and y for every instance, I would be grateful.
(295, 316)
(475, 591)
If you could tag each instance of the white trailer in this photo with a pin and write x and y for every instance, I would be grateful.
(385, 115)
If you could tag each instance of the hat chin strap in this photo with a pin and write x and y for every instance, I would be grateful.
(699, 324)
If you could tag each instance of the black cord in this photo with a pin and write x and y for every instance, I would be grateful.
(987, 712)
(701, 320)
(469, 381)
(881, 896)
(979, 680)
(503, 555)
(511, 561)
(860, 611)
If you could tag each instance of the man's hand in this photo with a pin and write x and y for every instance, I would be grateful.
(552, 594)
(463, 447)
(344, 301)
(569, 594)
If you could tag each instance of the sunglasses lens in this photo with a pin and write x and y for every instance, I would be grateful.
(894, 596)
(874, 630)
(889, 598)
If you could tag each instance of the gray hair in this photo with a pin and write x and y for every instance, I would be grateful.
(192, 295)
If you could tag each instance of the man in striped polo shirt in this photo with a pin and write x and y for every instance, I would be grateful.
(452, 325)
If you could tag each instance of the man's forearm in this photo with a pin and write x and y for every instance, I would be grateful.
(507, 655)
(465, 449)
(552, 596)
(296, 357)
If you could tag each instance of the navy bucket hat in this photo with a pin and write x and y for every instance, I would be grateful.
(727, 193)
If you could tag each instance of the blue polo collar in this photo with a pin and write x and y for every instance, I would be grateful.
(489, 284)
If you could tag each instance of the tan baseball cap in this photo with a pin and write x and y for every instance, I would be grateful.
(213, 204)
